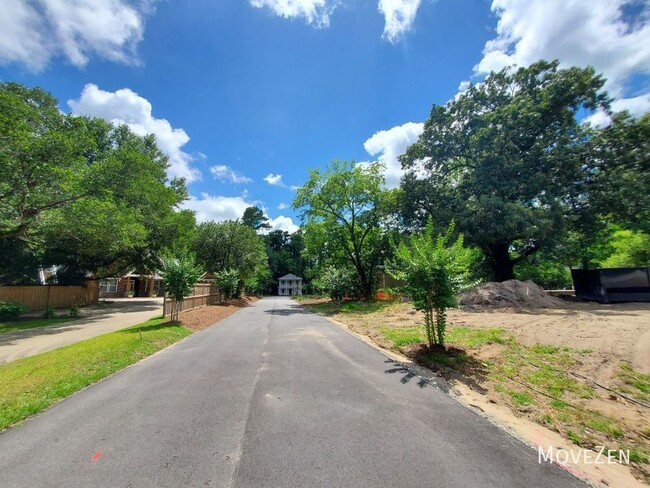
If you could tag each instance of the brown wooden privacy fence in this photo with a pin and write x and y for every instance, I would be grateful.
(202, 295)
(40, 297)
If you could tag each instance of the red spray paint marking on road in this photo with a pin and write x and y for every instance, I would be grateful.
(96, 456)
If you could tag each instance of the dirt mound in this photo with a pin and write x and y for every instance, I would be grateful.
(511, 293)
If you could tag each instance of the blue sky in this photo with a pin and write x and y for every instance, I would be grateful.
(246, 95)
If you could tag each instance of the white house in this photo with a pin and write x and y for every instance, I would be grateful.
(289, 285)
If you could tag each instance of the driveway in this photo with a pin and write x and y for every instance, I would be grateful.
(273, 396)
(96, 320)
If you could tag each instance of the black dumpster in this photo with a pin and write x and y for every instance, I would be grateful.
(612, 284)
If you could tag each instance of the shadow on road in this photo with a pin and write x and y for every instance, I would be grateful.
(289, 311)
(407, 374)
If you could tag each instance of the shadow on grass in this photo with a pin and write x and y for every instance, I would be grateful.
(152, 327)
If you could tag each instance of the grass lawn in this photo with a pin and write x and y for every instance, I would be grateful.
(31, 323)
(29, 385)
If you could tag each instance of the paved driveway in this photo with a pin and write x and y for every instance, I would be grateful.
(273, 396)
(96, 320)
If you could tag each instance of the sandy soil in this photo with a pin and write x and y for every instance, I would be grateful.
(200, 318)
(614, 333)
(608, 335)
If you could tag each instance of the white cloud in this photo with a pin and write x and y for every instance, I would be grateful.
(637, 106)
(127, 107)
(32, 33)
(578, 33)
(390, 144)
(283, 223)
(222, 172)
(282, 206)
(220, 208)
(273, 179)
(216, 207)
(315, 12)
(294, 188)
(399, 15)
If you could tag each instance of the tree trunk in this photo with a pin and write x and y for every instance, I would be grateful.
(500, 263)
(364, 281)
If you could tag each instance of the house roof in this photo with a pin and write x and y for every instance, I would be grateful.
(290, 277)
(133, 274)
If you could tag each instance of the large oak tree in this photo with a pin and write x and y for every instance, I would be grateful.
(79, 193)
(503, 159)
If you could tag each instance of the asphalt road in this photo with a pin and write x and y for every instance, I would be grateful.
(273, 396)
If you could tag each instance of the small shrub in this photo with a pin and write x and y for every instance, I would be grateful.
(336, 282)
(49, 313)
(179, 274)
(74, 311)
(228, 283)
(434, 269)
(11, 310)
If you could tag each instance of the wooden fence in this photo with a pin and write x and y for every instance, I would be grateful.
(40, 297)
(202, 295)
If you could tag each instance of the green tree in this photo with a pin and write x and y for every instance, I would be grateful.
(43, 163)
(434, 269)
(179, 273)
(629, 249)
(545, 269)
(344, 210)
(618, 166)
(255, 219)
(336, 282)
(80, 193)
(503, 159)
(230, 245)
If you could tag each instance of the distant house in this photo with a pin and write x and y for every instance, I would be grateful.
(289, 285)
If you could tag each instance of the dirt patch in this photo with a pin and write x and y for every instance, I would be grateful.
(511, 293)
(200, 318)
(606, 333)
(533, 368)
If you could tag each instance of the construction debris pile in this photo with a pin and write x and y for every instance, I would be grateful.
(509, 294)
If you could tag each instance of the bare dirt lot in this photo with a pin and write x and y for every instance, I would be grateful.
(580, 371)
(612, 332)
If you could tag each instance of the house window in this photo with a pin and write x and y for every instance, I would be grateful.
(108, 285)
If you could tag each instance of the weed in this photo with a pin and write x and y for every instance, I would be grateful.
(573, 437)
(604, 425)
(521, 398)
(404, 337)
(636, 384)
(473, 337)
